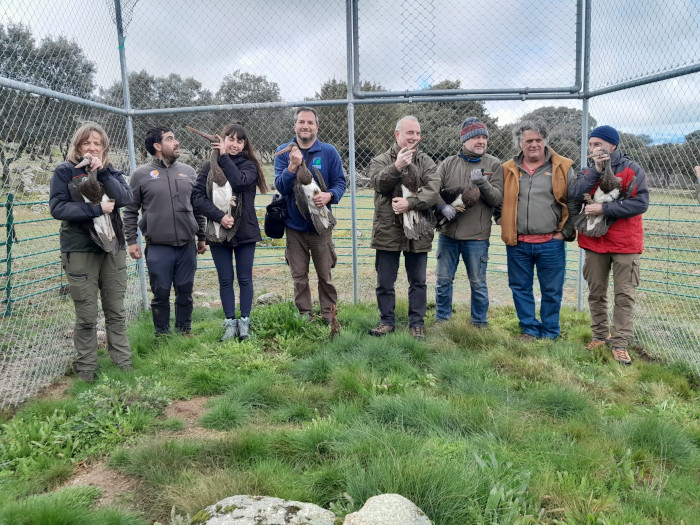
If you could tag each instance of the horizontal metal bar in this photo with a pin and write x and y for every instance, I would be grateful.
(23, 86)
(30, 221)
(650, 79)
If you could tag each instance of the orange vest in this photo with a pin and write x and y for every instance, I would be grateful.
(511, 189)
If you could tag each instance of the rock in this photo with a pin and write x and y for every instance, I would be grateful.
(269, 298)
(388, 509)
(258, 510)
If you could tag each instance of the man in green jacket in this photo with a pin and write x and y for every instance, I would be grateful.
(388, 236)
(467, 233)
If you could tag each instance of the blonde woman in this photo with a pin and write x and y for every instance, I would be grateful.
(89, 265)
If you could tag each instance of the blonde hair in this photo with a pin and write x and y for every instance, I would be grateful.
(81, 136)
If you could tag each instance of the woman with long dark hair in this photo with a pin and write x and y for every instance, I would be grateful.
(86, 194)
(243, 174)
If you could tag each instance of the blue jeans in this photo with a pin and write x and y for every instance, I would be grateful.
(223, 260)
(475, 255)
(550, 260)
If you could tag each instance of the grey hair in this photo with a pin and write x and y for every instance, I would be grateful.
(530, 125)
(406, 117)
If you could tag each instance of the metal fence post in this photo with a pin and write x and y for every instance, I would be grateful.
(141, 265)
(10, 226)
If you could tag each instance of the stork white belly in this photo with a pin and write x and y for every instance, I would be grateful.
(103, 225)
(221, 197)
(310, 191)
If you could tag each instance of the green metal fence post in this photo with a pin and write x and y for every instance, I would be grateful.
(9, 225)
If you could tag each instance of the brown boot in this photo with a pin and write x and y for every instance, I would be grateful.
(381, 329)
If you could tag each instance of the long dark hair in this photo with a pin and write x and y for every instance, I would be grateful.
(248, 151)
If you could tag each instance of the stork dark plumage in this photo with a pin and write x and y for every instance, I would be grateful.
(222, 195)
(609, 189)
(305, 189)
(92, 190)
(415, 223)
(460, 197)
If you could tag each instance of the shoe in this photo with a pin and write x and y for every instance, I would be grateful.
(381, 329)
(231, 331)
(526, 338)
(597, 343)
(417, 332)
(125, 368)
(243, 328)
(87, 375)
(480, 326)
(621, 356)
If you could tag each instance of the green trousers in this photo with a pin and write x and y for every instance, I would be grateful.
(87, 273)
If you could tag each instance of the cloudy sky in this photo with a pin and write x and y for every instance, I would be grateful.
(404, 45)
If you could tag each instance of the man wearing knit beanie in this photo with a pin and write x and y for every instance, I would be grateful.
(619, 248)
(466, 234)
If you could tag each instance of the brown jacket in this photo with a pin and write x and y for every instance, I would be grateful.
(546, 206)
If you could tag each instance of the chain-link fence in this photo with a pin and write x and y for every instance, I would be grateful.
(131, 65)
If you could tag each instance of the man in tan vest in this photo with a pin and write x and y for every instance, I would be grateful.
(535, 222)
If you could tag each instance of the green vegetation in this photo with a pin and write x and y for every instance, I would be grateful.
(471, 425)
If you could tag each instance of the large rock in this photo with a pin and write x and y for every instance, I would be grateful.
(388, 509)
(257, 510)
(269, 298)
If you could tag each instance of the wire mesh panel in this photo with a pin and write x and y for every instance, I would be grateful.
(202, 65)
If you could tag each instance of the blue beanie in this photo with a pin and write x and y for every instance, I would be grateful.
(472, 127)
(607, 133)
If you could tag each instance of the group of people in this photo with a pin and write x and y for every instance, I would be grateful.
(533, 196)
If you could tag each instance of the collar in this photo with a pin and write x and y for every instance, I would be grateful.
(468, 158)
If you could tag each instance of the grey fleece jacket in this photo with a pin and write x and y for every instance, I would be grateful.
(164, 196)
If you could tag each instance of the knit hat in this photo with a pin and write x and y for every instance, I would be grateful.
(472, 127)
(607, 133)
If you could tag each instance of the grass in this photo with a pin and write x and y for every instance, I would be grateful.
(471, 425)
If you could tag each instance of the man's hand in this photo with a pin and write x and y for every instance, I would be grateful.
(107, 207)
(295, 160)
(403, 158)
(593, 209)
(227, 221)
(599, 156)
(323, 198)
(448, 211)
(135, 251)
(201, 247)
(399, 205)
(477, 176)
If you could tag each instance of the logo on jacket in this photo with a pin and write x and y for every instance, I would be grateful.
(316, 162)
(548, 174)
(181, 175)
(154, 174)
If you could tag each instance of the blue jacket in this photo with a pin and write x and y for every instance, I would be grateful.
(326, 158)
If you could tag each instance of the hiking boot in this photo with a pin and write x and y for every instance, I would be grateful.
(87, 375)
(526, 338)
(621, 356)
(243, 328)
(417, 332)
(597, 343)
(381, 329)
(231, 331)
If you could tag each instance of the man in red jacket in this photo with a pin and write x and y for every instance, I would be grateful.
(619, 248)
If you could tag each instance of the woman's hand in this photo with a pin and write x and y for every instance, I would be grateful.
(107, 206)
(219, 145)
(227, 221)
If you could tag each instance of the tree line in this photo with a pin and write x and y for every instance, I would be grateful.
(37, 126)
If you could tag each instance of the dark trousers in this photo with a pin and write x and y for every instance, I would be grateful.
(387, 265)
(223, 260)
(171, 266)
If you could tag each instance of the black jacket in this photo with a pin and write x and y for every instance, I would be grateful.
(77, 217)
(242, 175)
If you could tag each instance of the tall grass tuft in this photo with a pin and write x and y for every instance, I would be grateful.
(661, 439)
